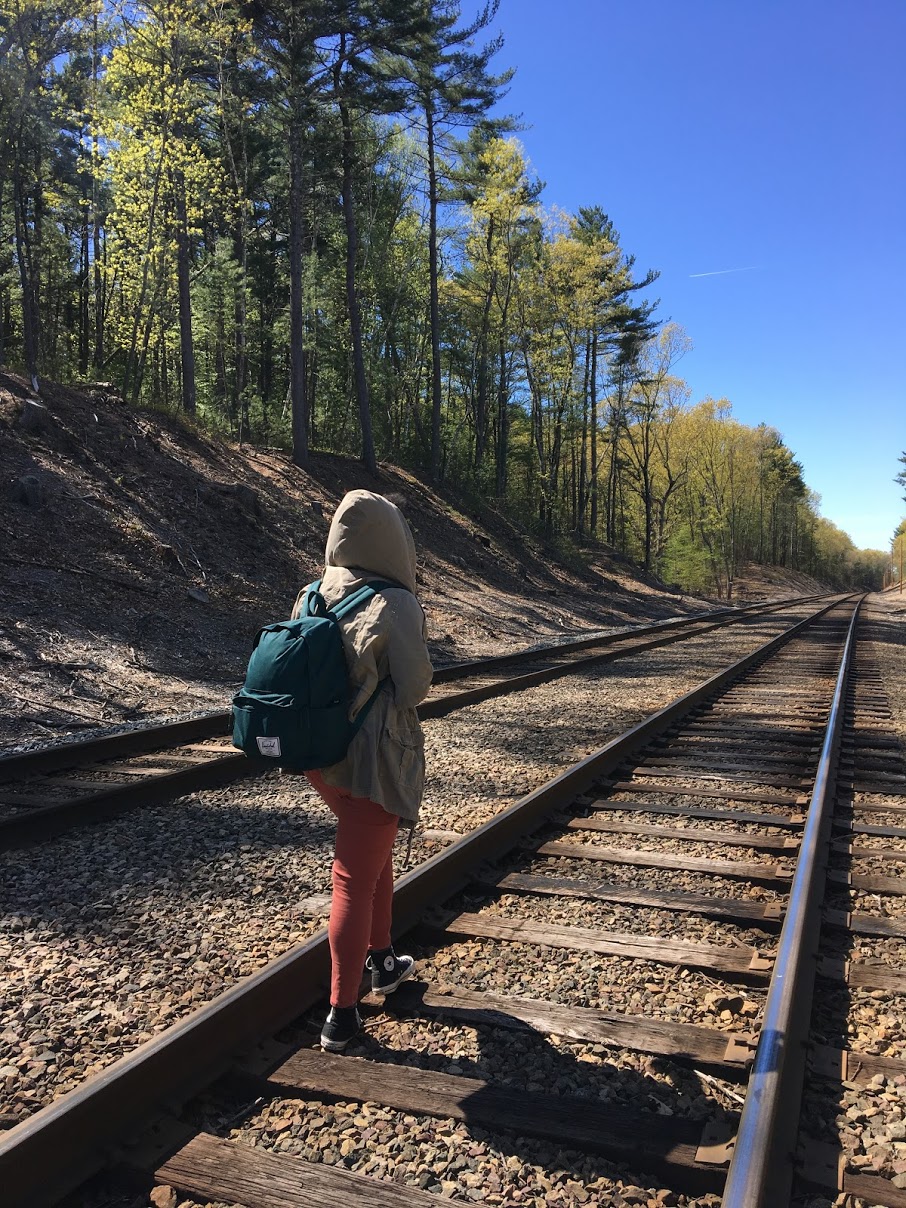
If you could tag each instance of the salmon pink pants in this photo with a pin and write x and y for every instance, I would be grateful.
(362, 878)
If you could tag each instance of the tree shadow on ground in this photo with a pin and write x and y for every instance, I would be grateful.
(126, 859)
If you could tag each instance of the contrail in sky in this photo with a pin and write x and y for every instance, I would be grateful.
(721, 271)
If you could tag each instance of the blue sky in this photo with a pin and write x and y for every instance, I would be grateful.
(767, 136)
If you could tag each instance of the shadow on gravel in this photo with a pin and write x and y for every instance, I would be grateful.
(593, 1094)
(79, 890)
(99, 879)
(836, 1024)
(886, 632)
(527, 1078)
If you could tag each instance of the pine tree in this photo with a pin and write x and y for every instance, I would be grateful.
(364, 78)
(620, 331)
(288, 32)
(454, 89)
(35, 42)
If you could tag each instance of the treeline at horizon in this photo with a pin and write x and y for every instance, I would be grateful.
(298, 222)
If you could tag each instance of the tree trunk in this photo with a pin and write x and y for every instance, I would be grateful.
(155, 311)
(612, 471)
(435, 304)
(36, 250)
(314, 371)
(239, 319)
(649, 515)
(220, 386)
(30, 336)
(84, 297)
(164, 367)
(183, 265)
(99, 301)
(481, 398)
(352, 302)
(594, 434)
(4, 299)
(266, 330)
(240, 303)
(503, 421)
(582, 485)
(134, 361)
(297, 392)
(352, 297)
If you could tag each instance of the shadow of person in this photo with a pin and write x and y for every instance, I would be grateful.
(539, 1083)
(592, 1103)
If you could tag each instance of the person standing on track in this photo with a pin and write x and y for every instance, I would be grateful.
(380, 780)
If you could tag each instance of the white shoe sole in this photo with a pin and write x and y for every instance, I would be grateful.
(331, 1045)
(335, 1046)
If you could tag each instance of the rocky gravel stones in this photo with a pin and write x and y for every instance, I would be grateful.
(113, 933)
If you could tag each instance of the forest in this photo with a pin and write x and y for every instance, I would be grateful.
(303, 224)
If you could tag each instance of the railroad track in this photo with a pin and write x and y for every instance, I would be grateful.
(722, 800)
(48, 790)
(851, 1139)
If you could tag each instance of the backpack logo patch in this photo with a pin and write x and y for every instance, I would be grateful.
(269, 746)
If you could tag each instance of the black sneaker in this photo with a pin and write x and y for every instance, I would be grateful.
(340, 1026)
(388, 970)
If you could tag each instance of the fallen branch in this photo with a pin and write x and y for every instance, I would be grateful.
(724, 1089)
(47, 723)
(81, 570)
(56, 708)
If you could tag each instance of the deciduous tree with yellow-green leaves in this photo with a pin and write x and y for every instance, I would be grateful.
(166, 182)
(297, 222)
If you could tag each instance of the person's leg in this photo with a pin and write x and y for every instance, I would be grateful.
(362, 878)
(387, 969)
(382, 908)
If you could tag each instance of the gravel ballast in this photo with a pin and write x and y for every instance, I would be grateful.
(113, 932)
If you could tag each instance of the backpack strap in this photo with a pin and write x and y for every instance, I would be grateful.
(356, 724)
(313, 605)
(358, 598)
(347, 605)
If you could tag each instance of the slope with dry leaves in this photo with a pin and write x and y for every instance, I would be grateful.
(140, 555)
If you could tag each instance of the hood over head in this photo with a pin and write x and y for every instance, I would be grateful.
(370, 533)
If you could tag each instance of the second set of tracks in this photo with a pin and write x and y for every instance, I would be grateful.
(50, 789)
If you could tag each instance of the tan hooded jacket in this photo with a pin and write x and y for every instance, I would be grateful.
(370, 539)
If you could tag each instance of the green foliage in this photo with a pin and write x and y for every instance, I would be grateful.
(686, 562)
(254, 200)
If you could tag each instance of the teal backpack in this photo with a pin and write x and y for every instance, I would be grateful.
(293, 709)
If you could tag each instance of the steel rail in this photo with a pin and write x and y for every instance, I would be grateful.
(57, 1148)
(762, 1165)
(455, 671)
(144, 739)
(140, 741)
(638, 642)
(40, 823)
(47, 821)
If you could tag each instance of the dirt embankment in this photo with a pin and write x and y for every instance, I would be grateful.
(140, 555)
